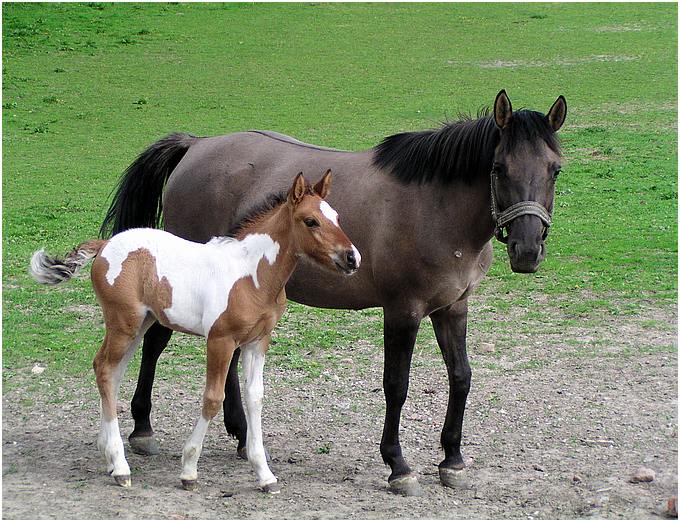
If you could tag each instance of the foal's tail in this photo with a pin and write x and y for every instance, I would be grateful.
(138, 198)
(52, 270)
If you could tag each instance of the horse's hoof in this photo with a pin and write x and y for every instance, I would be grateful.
(123, 480)
(190, 485)
(455, 478)
(272, 489)
(407, 485)
(243, 454)
(144, 445)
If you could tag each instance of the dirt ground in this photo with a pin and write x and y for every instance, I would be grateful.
(559, 439)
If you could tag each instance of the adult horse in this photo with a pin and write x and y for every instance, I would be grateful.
(421, 207)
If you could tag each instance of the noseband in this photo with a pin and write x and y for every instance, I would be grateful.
(501, 219)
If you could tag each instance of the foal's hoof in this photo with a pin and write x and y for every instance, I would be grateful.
(243, 454)
(123, 480)
(455, 478)
(190, 485)
(144, 445)
(407, 485)
(272, 489)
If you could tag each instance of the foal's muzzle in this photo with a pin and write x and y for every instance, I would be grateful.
(347, 261)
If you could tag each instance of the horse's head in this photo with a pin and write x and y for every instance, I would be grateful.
(525, 165)
(316, 228)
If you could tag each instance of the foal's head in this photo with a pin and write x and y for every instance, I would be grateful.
(316, 230)
(525, 166)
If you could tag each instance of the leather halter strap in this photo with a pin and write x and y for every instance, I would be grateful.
(502, 219)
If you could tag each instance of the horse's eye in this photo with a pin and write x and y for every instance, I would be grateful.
(556, 173)
(498, 168)
(311, 222)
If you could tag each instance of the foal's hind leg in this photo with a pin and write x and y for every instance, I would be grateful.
(141, 439)
(109, 366)
(234, 416)
(220, 351)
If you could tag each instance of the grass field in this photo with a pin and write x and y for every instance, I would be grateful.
(87, 86)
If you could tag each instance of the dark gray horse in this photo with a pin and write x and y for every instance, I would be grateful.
(421, 207)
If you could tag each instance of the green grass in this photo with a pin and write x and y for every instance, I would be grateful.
(86, 87)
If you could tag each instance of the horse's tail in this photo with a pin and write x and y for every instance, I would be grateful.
(138, 198)
(52, 270)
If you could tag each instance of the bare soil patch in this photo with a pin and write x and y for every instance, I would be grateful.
(555, 430)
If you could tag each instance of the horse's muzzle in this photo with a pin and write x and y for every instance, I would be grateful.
(525, 258)
(347, 261)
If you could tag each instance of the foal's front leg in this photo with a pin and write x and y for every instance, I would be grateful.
(253, 366)
(220, 351)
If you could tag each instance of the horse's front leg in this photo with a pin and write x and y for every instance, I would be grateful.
(401, 328)
(450, 328)
(141, 439)
(220, 351)
(253, 369)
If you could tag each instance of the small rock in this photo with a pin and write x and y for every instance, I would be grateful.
(642, 475)
(576, 479)
(487, 347)
(671, 510)
(538, 468)
(37, 369)
(121, 407)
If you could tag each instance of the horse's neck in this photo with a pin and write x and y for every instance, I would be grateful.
(277, 262)
(465, 206)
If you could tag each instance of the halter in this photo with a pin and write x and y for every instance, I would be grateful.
(501, 219)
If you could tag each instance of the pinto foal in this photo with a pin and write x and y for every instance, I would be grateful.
(230, 290)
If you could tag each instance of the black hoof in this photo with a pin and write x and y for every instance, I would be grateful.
(407, 486)
(190, 485)
(455, 478)
(272, 489)
(144, 445)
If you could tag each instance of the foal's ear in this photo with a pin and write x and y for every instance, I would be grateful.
(502, 109)
(297, 191)
(557, 113)
(323, 187)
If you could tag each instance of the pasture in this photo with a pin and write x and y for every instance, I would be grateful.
(574, 368)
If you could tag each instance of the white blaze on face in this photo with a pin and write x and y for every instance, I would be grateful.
(329, 212)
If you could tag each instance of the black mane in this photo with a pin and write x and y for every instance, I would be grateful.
(461, 150)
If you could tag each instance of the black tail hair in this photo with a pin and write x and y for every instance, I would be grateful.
(138, 198)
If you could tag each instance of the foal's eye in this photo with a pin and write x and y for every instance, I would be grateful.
(498, 168)
(311, 222)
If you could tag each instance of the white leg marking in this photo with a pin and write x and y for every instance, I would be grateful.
(253, 366)
(192, 449)
(111, 445)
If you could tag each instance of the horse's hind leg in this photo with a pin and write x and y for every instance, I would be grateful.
(109, 366)
(141, 439)
(220, 351)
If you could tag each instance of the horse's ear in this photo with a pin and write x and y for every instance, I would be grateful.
(502, 109)
(297, 191)
(557, 113)
(323, 187)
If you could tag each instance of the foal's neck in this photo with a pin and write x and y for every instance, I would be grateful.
(277, 224)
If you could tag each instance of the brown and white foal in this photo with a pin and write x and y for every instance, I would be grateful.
(230, 290)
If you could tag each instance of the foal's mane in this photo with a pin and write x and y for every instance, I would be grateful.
(460, 150)
(260, 210)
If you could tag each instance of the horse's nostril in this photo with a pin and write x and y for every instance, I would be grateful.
(351, 259)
